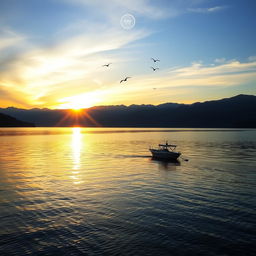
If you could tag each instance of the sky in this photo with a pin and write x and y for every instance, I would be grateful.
(52, 52)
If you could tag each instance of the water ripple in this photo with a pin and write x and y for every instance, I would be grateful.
(98, 192)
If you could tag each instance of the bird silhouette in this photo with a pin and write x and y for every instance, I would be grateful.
(106, 65)
(154, 69)
(155, 60)
(124, 80)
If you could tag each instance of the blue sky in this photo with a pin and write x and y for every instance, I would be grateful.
(52, 51)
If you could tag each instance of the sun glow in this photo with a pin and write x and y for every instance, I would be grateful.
(79, 102)
(76, 110)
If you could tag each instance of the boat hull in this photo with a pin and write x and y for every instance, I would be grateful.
(166, 155)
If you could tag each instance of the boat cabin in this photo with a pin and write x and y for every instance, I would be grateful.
(167, 146)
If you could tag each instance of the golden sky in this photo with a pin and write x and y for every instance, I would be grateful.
(56, 62)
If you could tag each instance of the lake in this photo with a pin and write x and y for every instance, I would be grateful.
(96, 191)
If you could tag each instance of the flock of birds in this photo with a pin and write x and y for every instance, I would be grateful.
(126, 78)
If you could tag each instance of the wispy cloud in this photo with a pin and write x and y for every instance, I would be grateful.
(160, 9)
(69, 66)
(13, 97)
(252, 58)
(9, 38)
(207, 10)
(115, 7)
(220, 60)
(184, 80)
(229, 68)
(58, 76)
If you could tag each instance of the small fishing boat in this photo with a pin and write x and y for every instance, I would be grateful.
(165, 151)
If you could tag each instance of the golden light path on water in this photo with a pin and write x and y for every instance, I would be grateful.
(76, 145)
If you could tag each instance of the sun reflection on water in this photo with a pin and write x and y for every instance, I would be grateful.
(76, 150)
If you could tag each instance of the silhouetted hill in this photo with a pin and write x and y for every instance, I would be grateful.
(8, 121)
(238, 111)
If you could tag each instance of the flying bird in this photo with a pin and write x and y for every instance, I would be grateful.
(154, 69)
(155, 60)
(106, 65)
(124, 80)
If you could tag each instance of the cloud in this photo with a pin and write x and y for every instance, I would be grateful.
(12, 98)
(108, 13)
(69, 66)
(207, 10)
(228, 68)
(118, 8)
(252, 58)
(216, 8)
(82, 81)
(220, 60)
(161, 9)
(183, 80)
(9, 39)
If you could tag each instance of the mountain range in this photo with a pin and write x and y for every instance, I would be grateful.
(235, 112)
(8, 121)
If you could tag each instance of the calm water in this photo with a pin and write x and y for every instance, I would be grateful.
(81, 191)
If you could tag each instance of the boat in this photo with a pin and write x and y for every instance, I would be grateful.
(165, 152)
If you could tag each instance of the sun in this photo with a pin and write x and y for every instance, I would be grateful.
(79, 102)
(76, 111)
(76, 107)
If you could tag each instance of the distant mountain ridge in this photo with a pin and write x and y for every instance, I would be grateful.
(238, 111)
(8, 121)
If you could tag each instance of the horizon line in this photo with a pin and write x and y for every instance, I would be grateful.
(241, 94)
